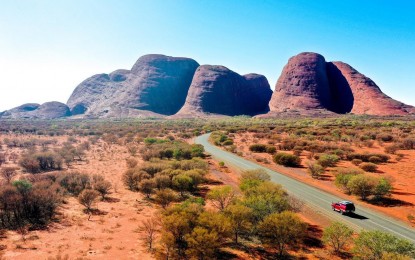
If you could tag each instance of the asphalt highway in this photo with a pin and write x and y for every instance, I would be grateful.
(364, 218)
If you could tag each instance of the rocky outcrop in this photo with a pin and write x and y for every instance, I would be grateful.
(309, 83)
(48, 110)
(217, 90)
(358, 94)
(156, 85)
(303, 84)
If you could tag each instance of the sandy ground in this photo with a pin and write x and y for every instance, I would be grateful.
(110, 235)
(402, 174)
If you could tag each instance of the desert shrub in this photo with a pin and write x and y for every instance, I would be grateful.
(362, 185)
(253, 178)
(271, 149)
(102, 186)
(365, 248)
(262, 148)
(165, 196)
(132, 177)
(287, 159)
(131, 162)
(42, 161)
(407, 144)
(227, 142)
(288, 144)
(383, 188)
(369, 167)
(383, 158)
(220, 139)
(182, 183)
(385, 137)
(147, 187)
(258, 148)
(171, 149)
(281, 229)
(342, 181)
(74, 182)
(374, 159)
(328, 160)
(265, 199)
(222, 197)
(25, 203)
(315, 170)
(343, 176)
(8, 173)
(2, 159)
(391, 149)
(356, 161)
(162, 181)
(88, 198)
(337, 235)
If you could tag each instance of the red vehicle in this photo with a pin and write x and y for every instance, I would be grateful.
(343, 207)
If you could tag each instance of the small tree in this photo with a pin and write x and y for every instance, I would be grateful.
(328, 160)
(383, 188)
(8, 173)
(147, 187)
(2, 159)
(362, 185)
(202, 243)
(374, 244)
(240, 218)
(252, 178)
(87, 198)
(281, 229)
(149, 229)
(337, 235)
(165, 196)
(182, 183)
(103, 187)
(369, 167)
(222, 197)
(287, 159)
(315, 170)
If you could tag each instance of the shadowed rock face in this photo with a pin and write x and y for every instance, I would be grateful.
(303, 84)
(358, 94)
(218, 90)
(307, 82)
(48, 110)
(156, 85)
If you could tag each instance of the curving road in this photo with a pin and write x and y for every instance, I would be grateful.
(319, 200)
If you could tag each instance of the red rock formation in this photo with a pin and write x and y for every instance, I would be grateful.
(307, 82)
(367, 96)
(219, 91)
(303, 84)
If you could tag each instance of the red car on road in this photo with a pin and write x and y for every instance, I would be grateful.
(343, 207)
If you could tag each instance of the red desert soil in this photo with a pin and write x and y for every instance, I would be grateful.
(111, 235)
(402, 174)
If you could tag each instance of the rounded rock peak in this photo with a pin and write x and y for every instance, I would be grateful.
(157, 60)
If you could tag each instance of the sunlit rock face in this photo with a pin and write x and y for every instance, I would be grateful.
(156, 85)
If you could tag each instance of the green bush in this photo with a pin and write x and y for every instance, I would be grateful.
(258, 148)
(369, 167)
(287, 159)
(328, 160)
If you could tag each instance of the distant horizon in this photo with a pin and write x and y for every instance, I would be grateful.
(51, 47)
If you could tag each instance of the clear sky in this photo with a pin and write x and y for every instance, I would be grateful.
(48, 47)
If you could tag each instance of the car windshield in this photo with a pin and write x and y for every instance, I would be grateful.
(349, 206)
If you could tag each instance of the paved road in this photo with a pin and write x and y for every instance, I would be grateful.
(363, 218)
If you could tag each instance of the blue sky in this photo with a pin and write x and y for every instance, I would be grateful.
(48, 47)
